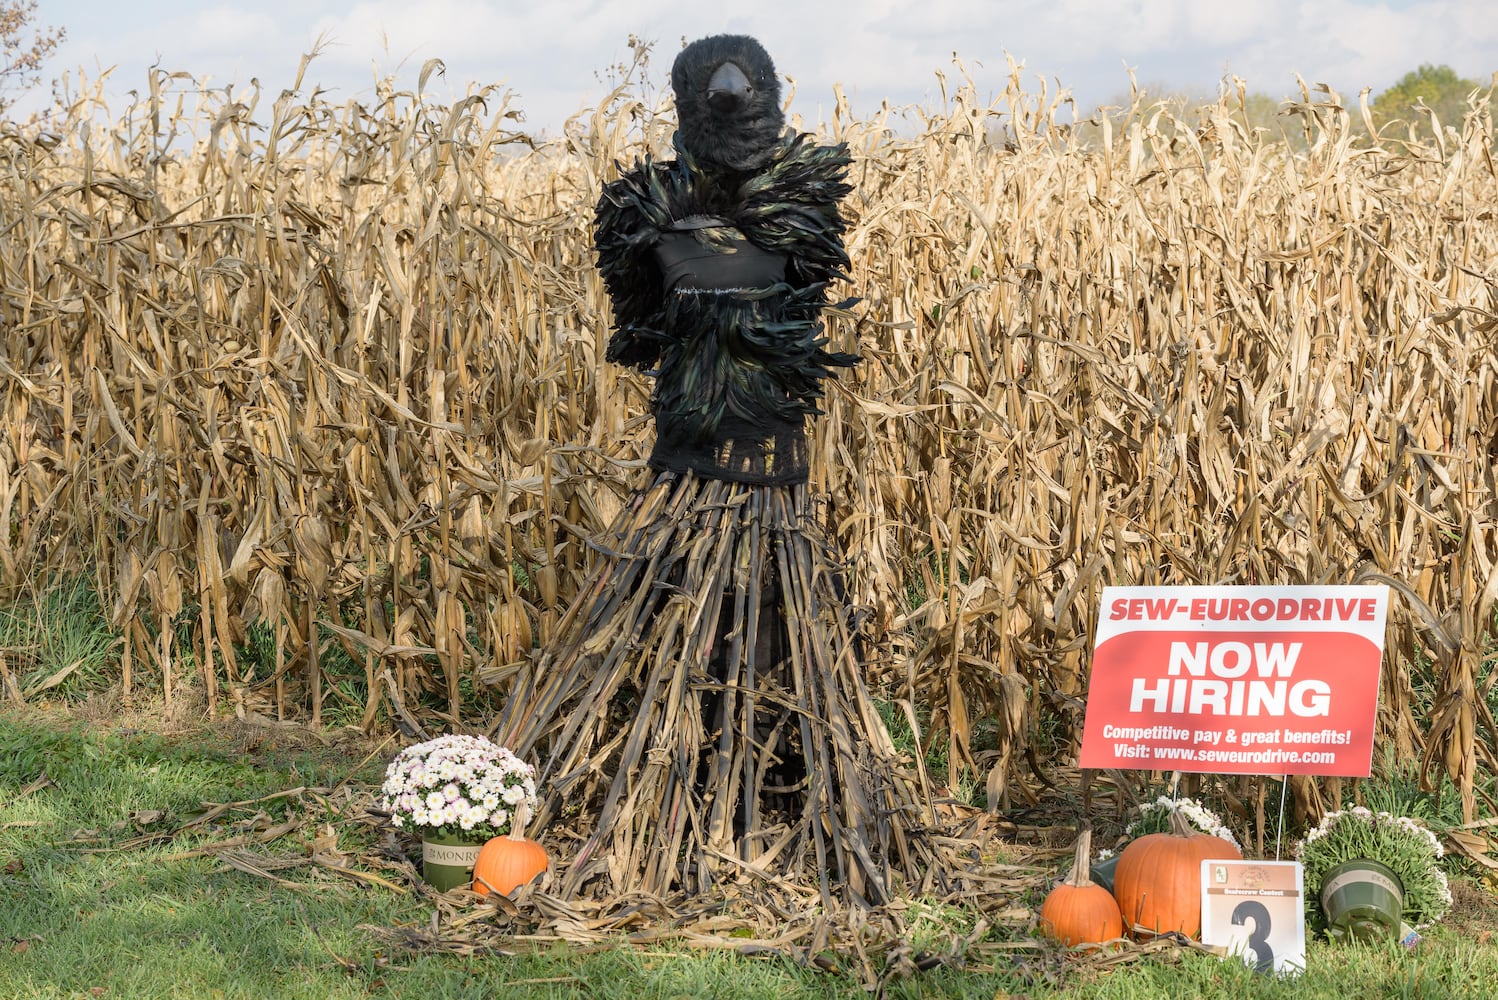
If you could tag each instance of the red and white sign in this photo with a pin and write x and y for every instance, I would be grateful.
(1236, 680)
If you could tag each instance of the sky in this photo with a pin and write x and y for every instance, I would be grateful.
(555, 56)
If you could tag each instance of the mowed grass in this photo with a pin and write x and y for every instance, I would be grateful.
(87, 910)
(78, 919)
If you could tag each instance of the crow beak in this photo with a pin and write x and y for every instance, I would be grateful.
(729, 89)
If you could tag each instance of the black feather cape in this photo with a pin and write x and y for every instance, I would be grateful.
(736, 372)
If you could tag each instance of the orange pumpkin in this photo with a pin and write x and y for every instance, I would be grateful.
(1158, 881)
(1078, 911)
(509, 860)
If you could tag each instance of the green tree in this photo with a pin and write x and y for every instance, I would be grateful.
(23, 47)
(1438, 87)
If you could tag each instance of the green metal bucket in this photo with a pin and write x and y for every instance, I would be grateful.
(447, 861)
(1363, 901)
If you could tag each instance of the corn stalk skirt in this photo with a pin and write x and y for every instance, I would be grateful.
(703, 716)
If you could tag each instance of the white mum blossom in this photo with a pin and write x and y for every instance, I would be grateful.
(456, 783)
(1200, 818)
(1409, 848)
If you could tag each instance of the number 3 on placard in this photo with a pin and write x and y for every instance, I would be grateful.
(1255, 911)
(1252, 909)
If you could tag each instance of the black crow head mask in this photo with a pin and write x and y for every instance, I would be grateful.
(727, 101)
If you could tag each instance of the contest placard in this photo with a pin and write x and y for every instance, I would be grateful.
(1255, 910)
(1236, 680)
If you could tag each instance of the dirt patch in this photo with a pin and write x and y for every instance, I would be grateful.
(1474, 912)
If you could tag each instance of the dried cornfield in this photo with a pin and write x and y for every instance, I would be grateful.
(294, 369)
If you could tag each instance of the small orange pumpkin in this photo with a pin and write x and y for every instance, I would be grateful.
(509, 860)
(1158, 881)
(1078, 911)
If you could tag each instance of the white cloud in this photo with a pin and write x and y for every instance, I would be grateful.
(555, 54)
(226, 29)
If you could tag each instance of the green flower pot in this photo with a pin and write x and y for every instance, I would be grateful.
(1363, 901)
(1102, 872)
(447, 860)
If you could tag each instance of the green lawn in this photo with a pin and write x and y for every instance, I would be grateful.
(114, 883)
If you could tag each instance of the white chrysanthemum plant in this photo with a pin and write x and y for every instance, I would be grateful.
(1404, 845)
(1154, 817)
(458, 786)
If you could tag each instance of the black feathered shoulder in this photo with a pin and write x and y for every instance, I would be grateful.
(631, 214)
(789, 206)
(794, 206)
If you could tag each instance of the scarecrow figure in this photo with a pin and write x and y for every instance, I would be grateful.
(702, 716)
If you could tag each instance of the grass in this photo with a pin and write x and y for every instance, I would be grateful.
(147, 923)
(87, 909)
(59, 639)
